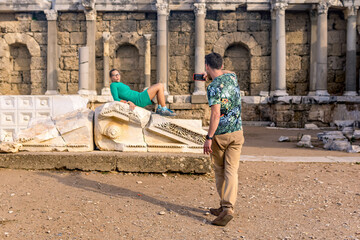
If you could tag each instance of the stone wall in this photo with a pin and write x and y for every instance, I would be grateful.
(23, 42)
(243, 37)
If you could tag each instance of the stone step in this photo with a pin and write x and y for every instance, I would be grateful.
(109, 161)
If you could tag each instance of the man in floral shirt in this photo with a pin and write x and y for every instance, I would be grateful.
(225, 136)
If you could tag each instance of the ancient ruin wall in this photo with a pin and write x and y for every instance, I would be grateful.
(23, 39)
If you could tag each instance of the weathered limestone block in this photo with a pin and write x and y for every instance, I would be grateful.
(71, 132)
(311, 126)
(120, 129)
(341, 124)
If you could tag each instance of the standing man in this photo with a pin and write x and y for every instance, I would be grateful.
(225, 137)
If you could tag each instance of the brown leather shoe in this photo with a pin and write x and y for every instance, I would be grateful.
(224, 217)
(216, 211)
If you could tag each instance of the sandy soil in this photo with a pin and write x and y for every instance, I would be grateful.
(275, 200)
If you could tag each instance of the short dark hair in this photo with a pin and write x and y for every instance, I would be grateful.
(112, 70)
(214, 60)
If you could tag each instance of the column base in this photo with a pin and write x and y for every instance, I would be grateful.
(199, 98)
(322, 93)
(105, 91)
(51, 92)
(350, 93)
(312, 93)
(199, 92)
(87, 92)
(278, 93)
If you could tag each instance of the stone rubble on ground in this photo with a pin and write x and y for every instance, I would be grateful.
(354, 149)
(305, 142)
(337, 145)
(311, 126)
(284, 139)
(341, 124)
(330, 136)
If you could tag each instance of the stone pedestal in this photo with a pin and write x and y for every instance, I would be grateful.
(52, 53)
(350, 89)
(322, 45)
(106, 88)
(162, 44)
(200, 13)
(147, 67)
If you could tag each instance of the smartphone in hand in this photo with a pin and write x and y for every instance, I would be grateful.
(198, 77)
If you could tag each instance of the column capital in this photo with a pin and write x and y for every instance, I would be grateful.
(88, 4)
(323, 7)
(106, 37)
(351, 11)
(279, 5)
(199, 9)
(90, 15)
(162, 8)
(147, 37)
(51, 14)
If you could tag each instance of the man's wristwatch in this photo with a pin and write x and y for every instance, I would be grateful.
(208, 137)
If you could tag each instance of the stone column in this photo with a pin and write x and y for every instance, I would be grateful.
(280, 77)
(312, 84)
(90, 42)
(52, 53)
(84, 83)
(273, 52)
(200, 13)
(147, 67)
(350, 89)
(321, 54)
(106, 88)
(162, 43)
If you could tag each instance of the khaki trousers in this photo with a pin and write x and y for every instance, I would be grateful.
(226, 156)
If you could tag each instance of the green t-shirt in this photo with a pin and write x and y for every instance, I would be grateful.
(225, 90)
(121, 91)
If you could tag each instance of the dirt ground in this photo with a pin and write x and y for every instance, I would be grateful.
(275, 200)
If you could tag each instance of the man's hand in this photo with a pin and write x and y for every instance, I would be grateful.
(132, 105)
(207, 146)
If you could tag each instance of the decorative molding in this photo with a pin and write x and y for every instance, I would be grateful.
(90, 15)
(163, 8)
(199, 9)
(51, 14)
(182, 132)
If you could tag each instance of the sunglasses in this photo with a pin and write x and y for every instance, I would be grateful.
(115, 75)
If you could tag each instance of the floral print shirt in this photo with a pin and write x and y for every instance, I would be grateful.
(225, 90)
